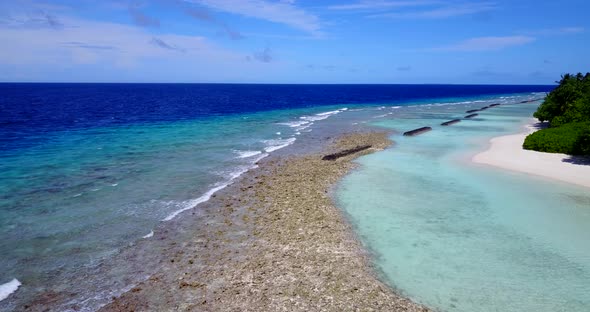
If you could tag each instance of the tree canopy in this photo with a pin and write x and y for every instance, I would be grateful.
(567, 109)
(569, 102)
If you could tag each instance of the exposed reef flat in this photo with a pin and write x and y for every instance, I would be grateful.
(274, 241)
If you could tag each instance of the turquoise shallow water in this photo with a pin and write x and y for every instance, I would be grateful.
(461, 237)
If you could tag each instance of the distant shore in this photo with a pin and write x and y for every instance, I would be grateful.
(506, 152)
(276, 243)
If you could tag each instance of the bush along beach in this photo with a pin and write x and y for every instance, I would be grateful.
(567, 109)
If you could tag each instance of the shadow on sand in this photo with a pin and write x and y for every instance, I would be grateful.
(540, 125)
(578, 160)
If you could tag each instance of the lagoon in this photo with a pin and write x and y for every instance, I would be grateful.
(457, 236)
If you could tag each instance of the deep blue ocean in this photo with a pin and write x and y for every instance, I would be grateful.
(30, 111)
(88, 169)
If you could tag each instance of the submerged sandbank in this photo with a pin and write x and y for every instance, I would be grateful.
(506, 152)
(275, 242)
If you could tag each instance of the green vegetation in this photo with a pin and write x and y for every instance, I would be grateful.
(567, 109)
(570, 138)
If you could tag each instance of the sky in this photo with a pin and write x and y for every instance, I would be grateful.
(294, 41)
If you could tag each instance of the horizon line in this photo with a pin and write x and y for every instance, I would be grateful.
(270, 83)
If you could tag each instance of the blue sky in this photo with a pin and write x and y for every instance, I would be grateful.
(294, 41)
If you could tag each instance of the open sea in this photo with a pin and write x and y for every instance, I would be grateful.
(88, 171)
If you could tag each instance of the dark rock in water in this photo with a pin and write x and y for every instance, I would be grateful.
(472, 111)
(346, 152)
(450, 122)
(494, 105)
(417, 131)
(484, 108)
(471, 116)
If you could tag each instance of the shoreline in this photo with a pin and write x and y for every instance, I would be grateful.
(506, 152)
(276, 241)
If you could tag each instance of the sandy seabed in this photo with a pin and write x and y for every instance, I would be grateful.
(275, 242)
(506, 152)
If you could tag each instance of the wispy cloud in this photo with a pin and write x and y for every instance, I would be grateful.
(50, 20)
(36, 19)
(232, 33)
(325, 67)
(555, 31)
(368, 5)
(84, 42)
(164, 45)
(283, 12)
(204, 15)
(571, 30)
(264, 55)
(488, 72)
(141, 19)
(440, 11)
(487, 44)
(82, 45)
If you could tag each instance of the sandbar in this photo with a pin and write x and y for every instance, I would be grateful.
(506, 152)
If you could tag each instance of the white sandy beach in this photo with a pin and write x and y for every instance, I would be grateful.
(506, 152)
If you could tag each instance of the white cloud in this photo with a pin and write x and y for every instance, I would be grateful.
(571, 30)
(488, 43)
(556, 31)
(444, 11)
(82, 41)
(378, 5)
(283, 12)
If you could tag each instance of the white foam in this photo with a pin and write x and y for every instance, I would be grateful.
(114, 184)
(328, 113)
(315, 117)
(304, 126)
(297, 125)
(247, 154)
(258, 159)
(148, 235)
(9, 288)
(190, 204)
(273, 145)
(294, 124)
(307, 121)
(322, 116)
